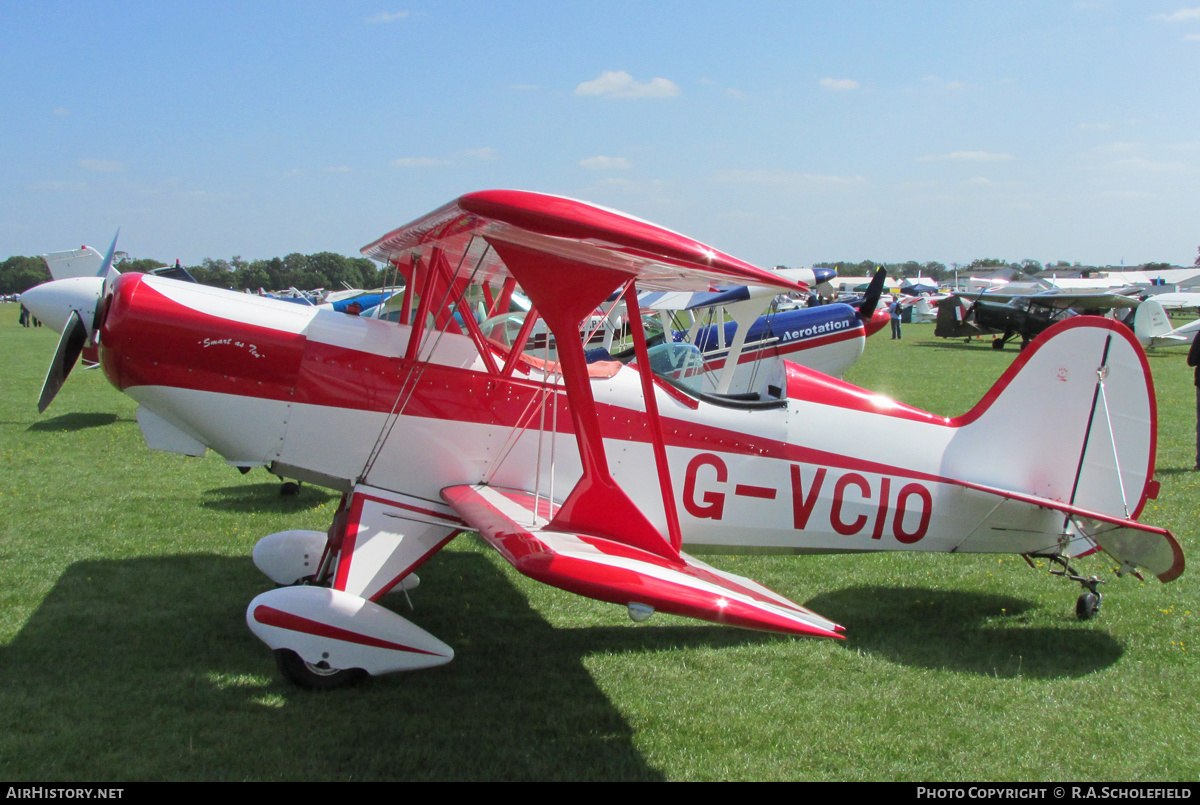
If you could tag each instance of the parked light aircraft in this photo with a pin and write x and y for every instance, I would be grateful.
(82, 262)
(743, 352)
(924, 307)
(1178, 300)
(1019, 315)
(1153, 327)
(603, 478)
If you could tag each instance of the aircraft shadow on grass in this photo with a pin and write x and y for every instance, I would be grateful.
(1174, 470)
(265, 497)
(153, 653)
(977, 633)
(129, 653)
(958, 344)
(73, 422)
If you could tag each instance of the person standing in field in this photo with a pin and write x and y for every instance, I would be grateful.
(1193, 360)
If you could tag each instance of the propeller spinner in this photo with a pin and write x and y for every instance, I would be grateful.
(83, 300)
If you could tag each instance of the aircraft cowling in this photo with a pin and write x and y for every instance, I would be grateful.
(879, 319)
(189, 354)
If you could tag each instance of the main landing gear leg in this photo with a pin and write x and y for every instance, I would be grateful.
(1088, 603)
(325, 626)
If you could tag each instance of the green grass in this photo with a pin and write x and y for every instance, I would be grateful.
(124, 653)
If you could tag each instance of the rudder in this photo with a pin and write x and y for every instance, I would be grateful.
(1072, 420)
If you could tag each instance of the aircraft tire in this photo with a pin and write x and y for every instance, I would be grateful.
(997, 343)
(313, 677)
(289, 489)
(1087, 606)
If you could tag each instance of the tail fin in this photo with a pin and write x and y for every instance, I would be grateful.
(1072, 420)
(1150, 321)
(81, 262)
(1070, 427)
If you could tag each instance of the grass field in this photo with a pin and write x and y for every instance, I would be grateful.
(124, 653)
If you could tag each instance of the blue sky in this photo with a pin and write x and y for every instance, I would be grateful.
(781, 132)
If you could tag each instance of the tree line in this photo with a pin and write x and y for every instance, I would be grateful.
(335, 272)
(303, 271)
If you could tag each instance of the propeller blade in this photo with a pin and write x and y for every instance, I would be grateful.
(874, 291)
(110, 275)
(106, 266)
(70, 345)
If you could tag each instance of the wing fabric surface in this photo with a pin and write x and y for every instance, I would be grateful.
(514, 523)
(581, 233)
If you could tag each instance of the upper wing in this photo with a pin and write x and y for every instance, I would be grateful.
(1178, 301)
(514, 523)
(1083, 301)
(576, 231)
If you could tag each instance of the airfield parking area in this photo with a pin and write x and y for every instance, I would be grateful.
(124, 653)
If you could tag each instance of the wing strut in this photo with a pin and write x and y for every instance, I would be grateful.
(652, 417)
(597, 505)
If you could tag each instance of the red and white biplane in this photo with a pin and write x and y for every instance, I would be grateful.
(602, 478)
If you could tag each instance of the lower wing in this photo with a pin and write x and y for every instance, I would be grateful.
(513, 522)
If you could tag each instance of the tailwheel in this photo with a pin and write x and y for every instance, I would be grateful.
(1088, 604)
(315, 676)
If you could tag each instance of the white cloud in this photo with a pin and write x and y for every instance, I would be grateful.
(1182, 15)
(480, 153)
(336, 169)
(966, 156)
(601, 163)
(839, 84)
(102, 165)
(620, 84)
(384, 16)
(418, 162)
(61, 111)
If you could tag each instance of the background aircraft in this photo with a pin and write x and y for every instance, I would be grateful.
(1153, 326)
(1019, 315)
(744, 350)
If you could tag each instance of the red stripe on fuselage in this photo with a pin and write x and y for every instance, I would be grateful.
(149, 339)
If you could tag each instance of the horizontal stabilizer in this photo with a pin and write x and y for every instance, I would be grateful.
(1133, 544)
(514, 523)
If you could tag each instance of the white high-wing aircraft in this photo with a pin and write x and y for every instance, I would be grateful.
(604, 478)
(1153, 327)
(1178, 300)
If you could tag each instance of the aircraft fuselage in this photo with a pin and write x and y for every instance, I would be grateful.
(338, 400)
